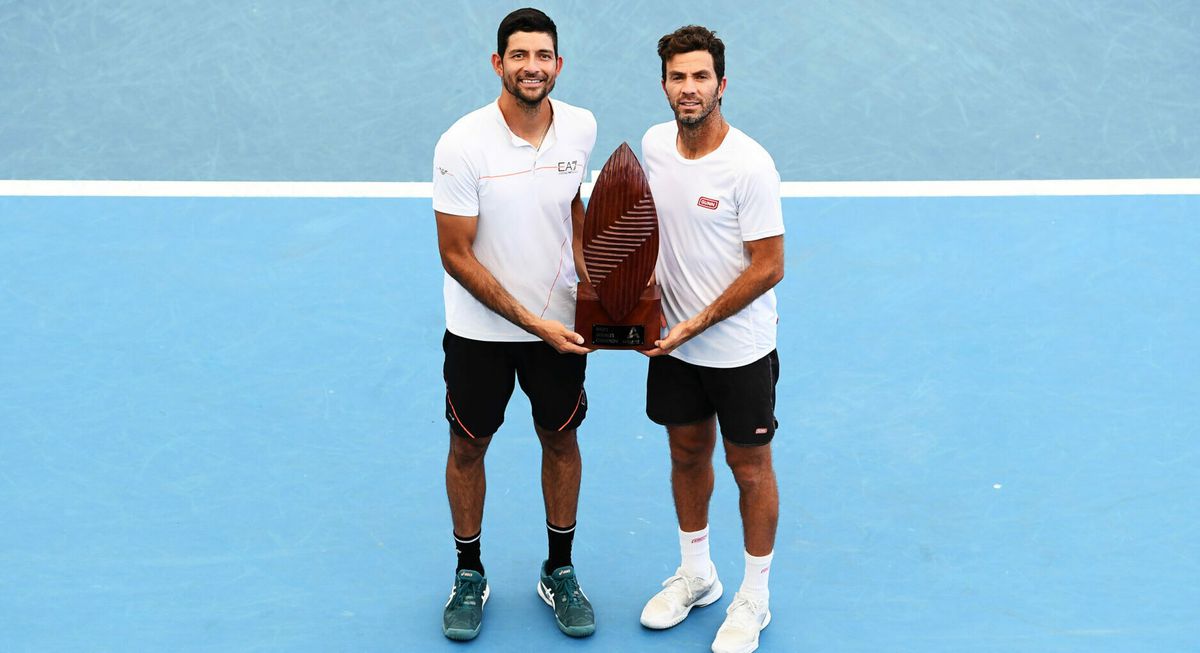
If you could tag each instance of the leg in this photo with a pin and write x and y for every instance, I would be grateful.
(558, 585)
(746, 412)
(758, 495)
(692, 471)
(749, 612)
(561, 471)
(676, 399)
(466, 483)
(554, 384)
(462, 616)
(479, 381)
(695, 584)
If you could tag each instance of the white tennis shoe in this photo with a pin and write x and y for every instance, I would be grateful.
(680, 593)
(744, 620)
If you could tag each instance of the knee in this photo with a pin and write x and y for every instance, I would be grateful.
(687, 456)
(750, 472)
(559, 444)
(466, 452)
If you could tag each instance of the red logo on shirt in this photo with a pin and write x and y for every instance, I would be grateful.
(708, 203)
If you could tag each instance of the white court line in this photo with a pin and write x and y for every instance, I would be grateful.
(421, 189)
(992, 188)
(97, 188)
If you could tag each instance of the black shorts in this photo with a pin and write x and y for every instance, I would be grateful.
(743, 398)
(479, 381)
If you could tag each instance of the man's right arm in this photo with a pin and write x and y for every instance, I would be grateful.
(456, 235)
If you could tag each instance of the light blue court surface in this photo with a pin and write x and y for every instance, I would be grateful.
(221, 430)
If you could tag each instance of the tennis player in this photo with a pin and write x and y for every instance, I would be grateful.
(720, 255)
(506, 198)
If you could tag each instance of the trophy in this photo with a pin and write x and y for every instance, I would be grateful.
(617, 309)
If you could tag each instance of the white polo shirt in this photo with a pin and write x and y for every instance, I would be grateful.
(522, 197)
(707, 209)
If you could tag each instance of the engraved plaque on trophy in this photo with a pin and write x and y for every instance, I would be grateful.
(617, 309)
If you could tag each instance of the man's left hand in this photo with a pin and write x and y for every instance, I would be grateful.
(681, 333)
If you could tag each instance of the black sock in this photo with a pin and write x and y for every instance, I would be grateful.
(560, 546)
(468, 553)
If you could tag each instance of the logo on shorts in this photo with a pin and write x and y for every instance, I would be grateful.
(708, 203)
(444, 171)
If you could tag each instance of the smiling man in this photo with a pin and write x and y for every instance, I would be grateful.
(506, 198)
(720, 255)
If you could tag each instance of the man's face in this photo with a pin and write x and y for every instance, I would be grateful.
(692, 86)
(529, 66)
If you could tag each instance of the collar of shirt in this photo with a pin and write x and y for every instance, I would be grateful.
(548, 140)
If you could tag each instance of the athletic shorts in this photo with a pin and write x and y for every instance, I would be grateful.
(479, 381)
(743, 398)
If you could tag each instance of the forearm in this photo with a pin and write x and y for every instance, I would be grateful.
(748, 286)
(456, 235)
(483, 285)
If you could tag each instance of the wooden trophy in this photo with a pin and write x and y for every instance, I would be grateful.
(618, 309)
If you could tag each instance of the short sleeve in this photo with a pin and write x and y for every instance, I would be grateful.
(760, 210)
(455, 185)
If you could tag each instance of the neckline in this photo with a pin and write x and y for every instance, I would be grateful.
(549, 137)
(683, 159)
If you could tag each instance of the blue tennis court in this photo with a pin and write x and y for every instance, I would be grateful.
(223, 431)
(221, 417)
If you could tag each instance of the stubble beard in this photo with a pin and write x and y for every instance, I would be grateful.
(526, 103)
(696, 121)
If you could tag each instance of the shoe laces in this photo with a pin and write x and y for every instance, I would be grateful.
(464, 588)
(743, 613)
(568, 588)
(682, 587)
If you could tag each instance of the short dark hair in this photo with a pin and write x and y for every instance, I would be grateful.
(692, 38)
(525, 20)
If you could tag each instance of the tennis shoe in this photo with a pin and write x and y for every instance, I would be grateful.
(572, 609)
(463, 615)
(680, 593)
(744, 620)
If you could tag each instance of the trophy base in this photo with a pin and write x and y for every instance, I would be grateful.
(637, 330)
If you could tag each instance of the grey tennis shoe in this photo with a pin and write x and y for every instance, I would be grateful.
(572, 609)
(463, 615)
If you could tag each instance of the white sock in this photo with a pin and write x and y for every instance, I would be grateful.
(693, 548)
(758, 572)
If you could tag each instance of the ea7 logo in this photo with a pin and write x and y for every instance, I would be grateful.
(708, 203)
(567, 167)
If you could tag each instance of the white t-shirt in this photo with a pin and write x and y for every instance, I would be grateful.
(522, 197)
(707, 209)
